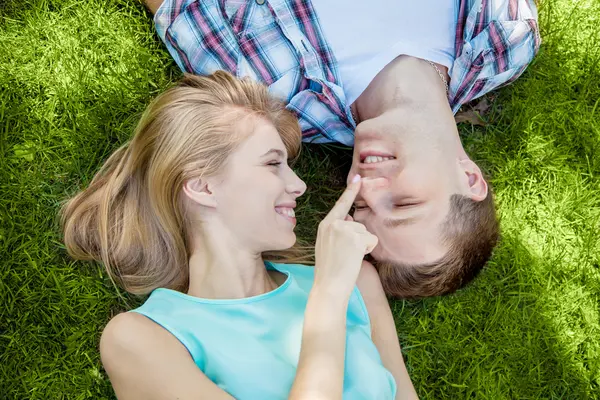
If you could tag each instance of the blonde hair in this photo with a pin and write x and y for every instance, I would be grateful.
(131, 217)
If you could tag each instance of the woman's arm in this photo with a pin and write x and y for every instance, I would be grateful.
(383, 330)
(320, 373)
(339, 250)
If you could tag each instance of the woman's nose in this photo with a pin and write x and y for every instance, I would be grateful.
(297, 187)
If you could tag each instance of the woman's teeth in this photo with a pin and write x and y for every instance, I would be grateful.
(376, 159)
(287, 212)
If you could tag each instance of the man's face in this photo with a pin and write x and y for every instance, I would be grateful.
(410, 171)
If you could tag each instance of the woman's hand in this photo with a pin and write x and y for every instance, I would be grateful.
(341, 245)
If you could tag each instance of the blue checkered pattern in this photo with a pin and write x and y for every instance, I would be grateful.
(281, 43)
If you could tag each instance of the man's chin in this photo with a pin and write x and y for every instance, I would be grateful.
(377, 253)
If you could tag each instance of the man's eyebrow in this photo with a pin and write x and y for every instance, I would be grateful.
(395, 222)
(276, 151)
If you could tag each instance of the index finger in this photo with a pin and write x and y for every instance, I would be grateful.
(344, 203)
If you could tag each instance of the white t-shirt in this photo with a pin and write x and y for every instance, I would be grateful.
(367, 35)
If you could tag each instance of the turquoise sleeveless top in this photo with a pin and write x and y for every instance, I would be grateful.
(250, 347)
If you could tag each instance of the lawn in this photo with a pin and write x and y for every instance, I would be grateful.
(74, 78)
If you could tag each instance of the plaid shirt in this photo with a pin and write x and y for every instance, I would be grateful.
(280, 43)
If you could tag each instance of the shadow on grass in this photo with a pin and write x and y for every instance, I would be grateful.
(494, 339)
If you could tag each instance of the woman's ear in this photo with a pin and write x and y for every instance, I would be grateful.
(477, 188)
(198, 191)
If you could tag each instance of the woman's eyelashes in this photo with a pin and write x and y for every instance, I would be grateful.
(274, 163)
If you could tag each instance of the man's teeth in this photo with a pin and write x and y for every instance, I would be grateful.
(376, 159)
(288, 212)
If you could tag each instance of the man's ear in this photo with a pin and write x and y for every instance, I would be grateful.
(477, 188)
(198, 191)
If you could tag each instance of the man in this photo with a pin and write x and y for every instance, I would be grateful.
(386, 78)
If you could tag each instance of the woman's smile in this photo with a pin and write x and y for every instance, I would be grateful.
(287, 212)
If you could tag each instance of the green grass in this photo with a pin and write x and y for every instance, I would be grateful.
(74, 77)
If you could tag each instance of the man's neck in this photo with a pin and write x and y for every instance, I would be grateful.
(404, 82)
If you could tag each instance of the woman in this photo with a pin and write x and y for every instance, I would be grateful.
(189, 211)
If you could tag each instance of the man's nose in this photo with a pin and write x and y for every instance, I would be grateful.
(372, 184)
(372, 189)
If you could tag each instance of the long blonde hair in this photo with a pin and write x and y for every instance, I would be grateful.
(131, 217)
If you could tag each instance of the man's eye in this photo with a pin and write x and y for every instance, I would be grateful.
(405, 205)
(360, 207)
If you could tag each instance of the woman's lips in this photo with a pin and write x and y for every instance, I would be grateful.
(287, 213)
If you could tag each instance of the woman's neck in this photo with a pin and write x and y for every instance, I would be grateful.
(222, 269)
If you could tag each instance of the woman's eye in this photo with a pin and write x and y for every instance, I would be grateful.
(275, 163)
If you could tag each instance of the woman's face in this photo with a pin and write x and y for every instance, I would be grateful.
(256, 193)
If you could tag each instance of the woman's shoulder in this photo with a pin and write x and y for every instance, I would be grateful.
(129, 333)
(125, 338)
(302, 274)
(142, 358)
(130, 337)
(298, 268)
(368, 279)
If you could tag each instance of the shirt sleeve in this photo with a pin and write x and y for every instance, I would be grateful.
(496, 41)
(197, 36)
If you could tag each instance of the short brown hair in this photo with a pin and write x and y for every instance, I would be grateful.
(471, 230)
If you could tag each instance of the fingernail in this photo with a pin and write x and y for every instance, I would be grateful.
(356, 178)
